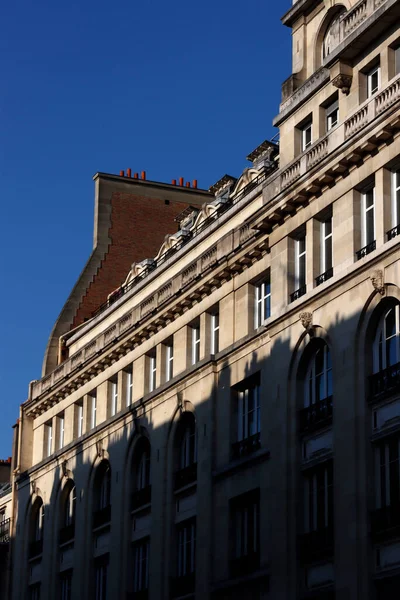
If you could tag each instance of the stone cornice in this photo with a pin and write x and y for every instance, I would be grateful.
(300, 7)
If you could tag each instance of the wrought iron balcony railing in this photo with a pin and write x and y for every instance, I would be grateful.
(324, 277)
(5, 531)
(35, 548)
(67, 533)
(316, 545)
(183, 585)
(246, 446)
(385, 522)
(243, 565)
(366, 250)
(316, 415)
(385, 382)
(141, 497)
(185, 476)
(298, 293)
(102, 516)
(392, 233)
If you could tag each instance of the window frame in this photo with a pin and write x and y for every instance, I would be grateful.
(195, 343)
(248, 390)
(306, 128)
(245, 525)
(380, 355)
(49, 438)
(214, 326)
(369, 75)
(364, 215)
(129, 386)
(141, 554)
(169, 361)
(152, 372)
(114, 396)
(299, 257)
(79, 419)
(324, 237)
(183, 540)
(312, 498)
(329, 110)
(93, 409)
(395, 196)
(262, 298)
(61, 430)
(312, 377)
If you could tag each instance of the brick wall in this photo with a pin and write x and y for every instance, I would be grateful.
(138, 227)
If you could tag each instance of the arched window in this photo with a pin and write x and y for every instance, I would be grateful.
(36, 528)
(102, 495)
(318, 383)
(329, 35)
(141, 474)
(186, 451)
(387, 340)
(68, 507)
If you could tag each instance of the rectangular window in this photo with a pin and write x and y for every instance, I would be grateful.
(100, 573)
(49, 438)
(249, 423)
(368, 217)
(66, 586)
(186, 548)
(373, 80)
(93, 409)
(79, 418)
(395, 197)
(263, 301)
(387, 457)
(34, 591)
(61, 429)
(326, 250)
(306, 136)
(214, 322)
(141, 565)
(245, 527)
(169, 362)
(332, 115)
(195, 343)
(129, 386)
(114, 396)
(319, 498)
(300, 262)
(152, 372)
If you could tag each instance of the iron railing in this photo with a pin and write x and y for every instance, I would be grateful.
(316, 415)
(392, 233)
(298, 293)
(366, 250)
(316, 545)
(385, 522)
(243, 565)
(141, 497)
(324, 277)
(5, 531)
(385, 382)
(102, 516)
(183, 585)
(247, 446)
(186, 476)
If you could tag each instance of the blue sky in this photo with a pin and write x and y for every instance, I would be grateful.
(173, 88)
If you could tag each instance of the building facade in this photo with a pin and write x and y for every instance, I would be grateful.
(226, 423)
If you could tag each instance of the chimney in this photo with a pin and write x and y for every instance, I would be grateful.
(144, 175)
(136, 176)
(173, 182)
(181, 181)
(188, 184)
(122, 174)
(128, 173)
(195, 183)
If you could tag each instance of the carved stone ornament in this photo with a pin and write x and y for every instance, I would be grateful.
(33, 486)
(306, 319)
(65, 471)
(343, 82)
(180, 401)
(99, 448)
(377, 281)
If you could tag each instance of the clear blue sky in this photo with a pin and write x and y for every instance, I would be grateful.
(173, 88)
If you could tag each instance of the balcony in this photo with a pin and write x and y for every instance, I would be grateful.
(385, 523)
(246, 446)
(316, 545)
(141, 497)
(324, 277)
(392, 233)
(67, 533)
(183, 585)
(366, 250)
(35, 548)
(185, 476)
(102, 516)
(298, 293)
(244, 565)
(316, 415)
(5, 531)
(385, 383)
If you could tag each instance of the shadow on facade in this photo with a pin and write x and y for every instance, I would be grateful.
(298, 467)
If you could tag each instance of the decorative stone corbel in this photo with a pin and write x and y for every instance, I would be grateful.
(180, 401)
(306, 319)
(343, 82)
(99, 448)
(377, 281)
(33, 486)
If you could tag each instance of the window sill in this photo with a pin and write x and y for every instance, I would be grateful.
(241, 463)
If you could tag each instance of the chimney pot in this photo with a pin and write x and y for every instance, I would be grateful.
(195, 183)
(136, 176)
(188, 184)
(181, 181)
(173, 182)
(128, 173)
(122, 174)
(144, 175)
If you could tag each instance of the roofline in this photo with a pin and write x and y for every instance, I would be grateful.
(149, 183)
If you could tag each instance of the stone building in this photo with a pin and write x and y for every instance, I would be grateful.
(226, 423)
